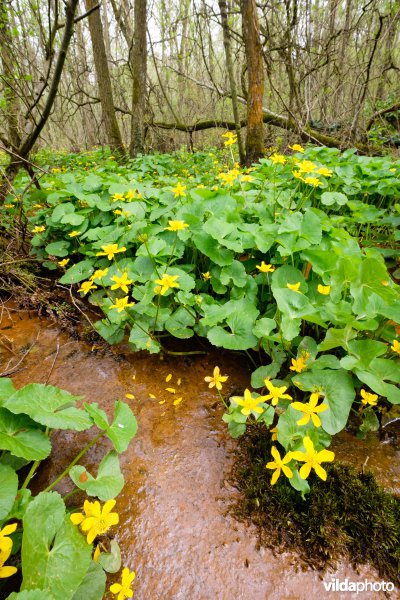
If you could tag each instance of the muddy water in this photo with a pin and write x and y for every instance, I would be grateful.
(174, 530)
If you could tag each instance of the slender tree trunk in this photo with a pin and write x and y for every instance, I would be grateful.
(113, 133)
(255, 71)
(139, 77)
(12, 108)
(231, 75)
(20, 158)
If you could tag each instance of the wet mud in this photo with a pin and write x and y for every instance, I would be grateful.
(175, 530)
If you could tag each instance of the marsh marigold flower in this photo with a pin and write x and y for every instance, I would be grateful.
(110, 250)
(38, 229)
(121, 304)
(179, 190)
(6, 571)
(117, 197)
(279, 464)
(395, 347)
(130, 195)
(264, 268)
(123, 590)
(231, 138)
(216, 380)
(312, 459)
(5, 541)
(278, 159)
(97, 520)
(121, 282)
(176, 225)
(99, 274)
(86, 287)
(248, 403)
(297, 148)
(165, 283)
(299, 364)
(309, 410)
(276, 393)
(63, 262)
(324, 289)
(368, 398)
(74, 233)
(314, 181)
(293, 286)
(306, 166)
(324, 171)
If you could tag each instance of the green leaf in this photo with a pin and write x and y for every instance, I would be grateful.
(7, 389)
(49, 406)
(111, 562)
(123, 428)
(108, 483)
(268, 371)
(93, 585)
(369, 421)
(60, 248)
(82, 270)
(206, 244)
(97, 414)
(289, 433)
(20, 505)
(329, 198)
(31, 595)
(141, 340)
(338, 393)
(238, 338)
(8, 489)
(263, 327)
(299, 484)
(55, 555)
(19, 435)
(113, 333)
(337, 337)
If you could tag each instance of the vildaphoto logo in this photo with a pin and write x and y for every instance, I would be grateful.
(346, 585)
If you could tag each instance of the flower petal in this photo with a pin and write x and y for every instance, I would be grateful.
(275, 476)
(8, 529)
(305, 471)
(109, 505)
(325, 456)
(320, 471)
(115, 588)
(308, 445)
(288, 472)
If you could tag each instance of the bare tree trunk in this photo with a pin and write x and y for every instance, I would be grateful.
(12, 108)
(139, 77)
(255, 71)
(113, 133)
(20, 158)
(231, 75)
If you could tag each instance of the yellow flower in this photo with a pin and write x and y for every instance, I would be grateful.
(277, 159)
(55, 170)
(306, 166)
(179, 190)
(74, 233)
(176, 225)
(293, 286)
(276, 393)
(279, 464)
(86, 286)
(121, 282)
(231, 138)
(165, 283)
(206, 276)
(265, 268)
(324, 289)
(309, 410)
(249, 403)
(314, 181)
(312, 459)
(246, 178)
(216, 380)
(200, 186)
(117, 197)
(38, 229)
(110, 250)
(324, 172)
(274, 432)
(298, 175)
(299, 364)
(99, 520)
(37, 206)
(99, 274)
(368, 398)
(96, 553)
(123, 590)
(297, 148)
(6, 542)
(395, 347)
(6, 571)
(121, 304)
(9, 206)
(63, 262)
(130, 195)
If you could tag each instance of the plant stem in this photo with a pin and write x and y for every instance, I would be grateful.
(77, 457)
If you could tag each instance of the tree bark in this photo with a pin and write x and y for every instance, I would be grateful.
(255, 71)
(12, 108)
(139, 77)
(111, 126)
(231, 75)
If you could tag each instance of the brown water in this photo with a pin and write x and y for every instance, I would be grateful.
(174, 528)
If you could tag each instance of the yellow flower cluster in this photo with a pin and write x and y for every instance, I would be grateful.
(231, 138)
(230, 177)
(311, 459)
(6, 545)
(96, 520)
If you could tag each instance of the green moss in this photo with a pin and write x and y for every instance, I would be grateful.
(348, 515)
